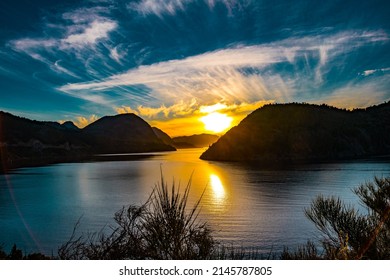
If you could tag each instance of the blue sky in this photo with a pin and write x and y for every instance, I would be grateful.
(168, 61)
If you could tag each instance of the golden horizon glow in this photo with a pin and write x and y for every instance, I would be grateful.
(216, 122)
(212, 108)
(189, 118)
(179, 126)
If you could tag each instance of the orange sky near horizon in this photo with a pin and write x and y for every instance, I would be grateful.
(190, 118)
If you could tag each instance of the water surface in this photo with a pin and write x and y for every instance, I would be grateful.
(245, 205)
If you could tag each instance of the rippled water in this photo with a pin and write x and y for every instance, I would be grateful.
(245, 205)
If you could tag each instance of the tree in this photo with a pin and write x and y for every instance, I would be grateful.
(349, 234)
(15, 254)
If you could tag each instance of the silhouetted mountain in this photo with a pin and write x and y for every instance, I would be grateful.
(24, 142)
(195, 141)
(303, 132)
(16, 130)
(163, 136)
(70, 125)
(27, 142)
(125, 133)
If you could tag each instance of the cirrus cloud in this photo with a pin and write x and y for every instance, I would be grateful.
(236, 75)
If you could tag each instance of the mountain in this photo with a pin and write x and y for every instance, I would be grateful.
(125, 133)
(183, 142)
(25, 142)
(195, 141)
(69, 125)
(16, 130)
(163, 136)
(303, 132)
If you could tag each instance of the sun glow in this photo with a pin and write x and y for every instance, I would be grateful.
(216, 122)
(217, 186)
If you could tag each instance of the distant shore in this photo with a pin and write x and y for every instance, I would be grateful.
(10, 165)
(38, 162)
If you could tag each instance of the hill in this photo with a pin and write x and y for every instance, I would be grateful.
(195, 141)
(25, 142)
(69, 125)
(303, 132)
(163, 136)
(125, 133)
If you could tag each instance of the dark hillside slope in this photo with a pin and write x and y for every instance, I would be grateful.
(125, 133)
(163, 136)
(25, 142)
(303, 132)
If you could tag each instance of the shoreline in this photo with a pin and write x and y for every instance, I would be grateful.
(279, 165)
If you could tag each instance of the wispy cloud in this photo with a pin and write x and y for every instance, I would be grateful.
(58, 68)
(373, 71)
(115, 54)
(235, 75)
(359, 96)
(75, 33)
(236, 109)
(97, 30)
(158, 7)
(27, 44)
(212, 108)
(85, 36)
(171, 7)
(176, 110)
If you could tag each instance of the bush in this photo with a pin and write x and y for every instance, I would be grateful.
(347, 233)
(17, 254)
(161, 228)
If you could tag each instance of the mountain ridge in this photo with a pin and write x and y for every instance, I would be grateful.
(305, 132)
(25, 142)
(195, 140)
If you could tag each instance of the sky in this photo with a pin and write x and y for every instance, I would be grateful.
(174, 62)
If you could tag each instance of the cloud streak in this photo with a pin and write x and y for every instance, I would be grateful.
(171, 7)
(87, 36)
(96, 31)
(75, 33)
(238, 74)
(373, 71)
(358, 95)
(176, 110)
(158, 7)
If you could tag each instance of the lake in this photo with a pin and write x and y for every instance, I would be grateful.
(245, 205)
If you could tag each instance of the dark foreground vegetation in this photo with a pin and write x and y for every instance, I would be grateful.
(165, 228)
(161, 228)
(347, 233)
(17, 254)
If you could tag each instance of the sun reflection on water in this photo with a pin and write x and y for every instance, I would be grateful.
(217, 187)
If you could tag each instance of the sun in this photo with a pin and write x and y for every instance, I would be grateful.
(216, 122)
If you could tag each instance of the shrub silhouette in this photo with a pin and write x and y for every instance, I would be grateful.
(347, 233)
(17, 254)
(161, 228)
